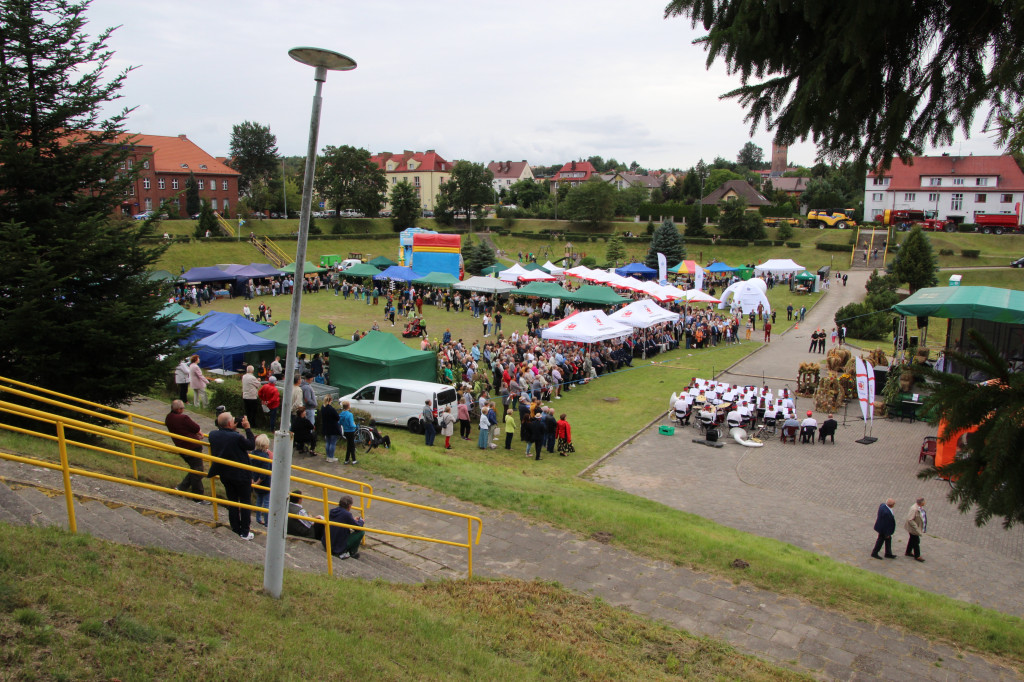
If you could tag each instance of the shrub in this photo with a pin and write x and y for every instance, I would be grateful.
(845, 248)
(732, 242)
(228, 394)
(698, 240)
(793, 245)
(763, 242)
(785, 231)
(970, 253)
(966, 227)
(589, 262)
(861, 323)
(946, 252)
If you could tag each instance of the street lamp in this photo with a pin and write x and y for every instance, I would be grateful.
(273, 565)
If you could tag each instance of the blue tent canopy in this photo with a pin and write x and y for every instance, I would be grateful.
(252, 270)
(226, 349)
(638, 270)
(213, 322)
(208, 274)
(720, 267)
(399, 273)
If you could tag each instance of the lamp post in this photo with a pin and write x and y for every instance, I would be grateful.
(273, 566)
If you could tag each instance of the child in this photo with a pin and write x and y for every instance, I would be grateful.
(261, 479)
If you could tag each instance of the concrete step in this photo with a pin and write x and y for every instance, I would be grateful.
(18, 511)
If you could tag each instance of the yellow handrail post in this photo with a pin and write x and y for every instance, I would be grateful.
(469, 545)
(131, 431)
(327, 533)
(213, 494)
(68, 497)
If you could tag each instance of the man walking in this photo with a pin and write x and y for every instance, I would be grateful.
(309, 398)
(181, 379)
(916, 525)
(180, 424)
(885, 526)
(348, 428)
(767, 332)
(228, 444)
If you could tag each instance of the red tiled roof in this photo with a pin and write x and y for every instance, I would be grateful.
(584, 167)
(507, 169)
(908, 176)
(429, 162)
(169, 153)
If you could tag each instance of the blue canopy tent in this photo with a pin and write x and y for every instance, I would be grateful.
(638, 270)
(720, 267)
(255, 271)
(399, 273)
(226, 349)
(207, 274)
(213, 322)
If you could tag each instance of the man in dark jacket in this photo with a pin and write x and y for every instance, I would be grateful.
(180, 424)
(345, 541)
(885, 526)
(550, 425)
(228, 444)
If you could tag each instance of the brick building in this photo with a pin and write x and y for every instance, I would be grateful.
(163, 164)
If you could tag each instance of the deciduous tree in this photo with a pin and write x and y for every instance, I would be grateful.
(347, 178)
(468, 188)
(591, 203)
(405, 205)
(79, 313)
(750, 156)
(253, 151)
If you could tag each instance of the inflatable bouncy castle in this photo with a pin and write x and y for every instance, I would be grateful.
(426, 251)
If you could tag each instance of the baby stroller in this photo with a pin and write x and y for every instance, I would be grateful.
(413, 329)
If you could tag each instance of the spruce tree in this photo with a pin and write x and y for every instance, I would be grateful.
(616, 250)
(78, 311)
(207, 221)
(915, 262)
(192, 201)
(668, 241)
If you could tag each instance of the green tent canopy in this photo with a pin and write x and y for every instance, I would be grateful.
(161, 276)
(743, 272)
(533, 266)
(806, 276)
(437, 279)
(379, 355)
(308, 268)
(493, 269)
(541, 290)
(969, 303)
(382, 262)
(312, 339)
(177, 314)
(595, 294)
(361, 270)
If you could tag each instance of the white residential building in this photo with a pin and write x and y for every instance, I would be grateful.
(508, 173)
(950, 187)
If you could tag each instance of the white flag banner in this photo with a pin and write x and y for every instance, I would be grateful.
(662, 269)
(870, 371)
(698, 277)
(862, 386)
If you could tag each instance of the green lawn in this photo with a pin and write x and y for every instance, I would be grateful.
(74, 608)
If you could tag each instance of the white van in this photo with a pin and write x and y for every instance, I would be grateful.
(400, 402)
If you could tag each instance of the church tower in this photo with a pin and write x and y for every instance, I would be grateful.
(780, 160)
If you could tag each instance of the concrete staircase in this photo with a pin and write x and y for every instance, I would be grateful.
(148, 518)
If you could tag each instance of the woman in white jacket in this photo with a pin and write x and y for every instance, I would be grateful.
(447, 421)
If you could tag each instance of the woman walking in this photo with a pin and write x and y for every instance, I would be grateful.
(447, 427)
(485, 430)
(332, 428)
(464, 428)
(563, 432)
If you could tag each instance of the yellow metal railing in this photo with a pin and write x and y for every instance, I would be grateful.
(335, 484)
(225, 225)
(274, 253)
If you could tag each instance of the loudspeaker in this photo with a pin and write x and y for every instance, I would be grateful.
(711, 435)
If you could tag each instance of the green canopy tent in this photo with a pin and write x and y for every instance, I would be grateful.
(493, 269)
(161, 276)
(177, 314)
(312, 339)
(308, 268)
(437, 279)
(595, 294)
(806, 276)
(361, 270)
(743, 272)
(379, 355)
(533, 266)
(541, 290)
(1005, 306)
(382, 262)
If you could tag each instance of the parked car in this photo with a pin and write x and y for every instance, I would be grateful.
(386, 213)
(145, 215)
(428, 214)
(1019, 263)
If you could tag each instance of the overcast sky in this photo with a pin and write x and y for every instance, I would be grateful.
(494, 80)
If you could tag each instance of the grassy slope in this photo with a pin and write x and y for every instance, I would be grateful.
(73, 608)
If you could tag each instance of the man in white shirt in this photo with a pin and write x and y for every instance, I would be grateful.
(807, 428)
(733, 418)
(810, 420)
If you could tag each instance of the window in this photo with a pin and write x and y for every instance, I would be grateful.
(386, 394)
(416, 181)
(202, 184)
(213, 204)
(910, 196)
(224, 185)
(202, 166)
(982, 182)
(935, 182)
(1006, 198)
(177, 205)
(366, 394)
(123, 165)
(980, 198)
(393, 180)
(174, 183)
(933, 198)
(958, 181)
(145, 164)
(145, 183)
(149, 204)
(877, 196)
(877, 182)
(956, 202)
(130, 162)
(225, 204)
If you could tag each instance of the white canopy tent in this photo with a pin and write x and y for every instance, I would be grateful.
(589, 326)
(778, 266)
(536, 276)
(553, 269)
(513, 273)
(746, 295)
(698, 296)
(487, 285)
(581, 271)
(643, 314)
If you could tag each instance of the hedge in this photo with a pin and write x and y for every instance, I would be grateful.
(793, 245)
(845, 248)
(970, 253)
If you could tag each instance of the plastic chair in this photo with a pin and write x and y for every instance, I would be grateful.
(807, 434)
(928, 449)
(789, 433)
(827, 431)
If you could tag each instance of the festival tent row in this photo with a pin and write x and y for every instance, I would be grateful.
(378, 355)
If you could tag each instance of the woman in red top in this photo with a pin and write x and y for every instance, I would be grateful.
(271, 399)
(563, 432)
